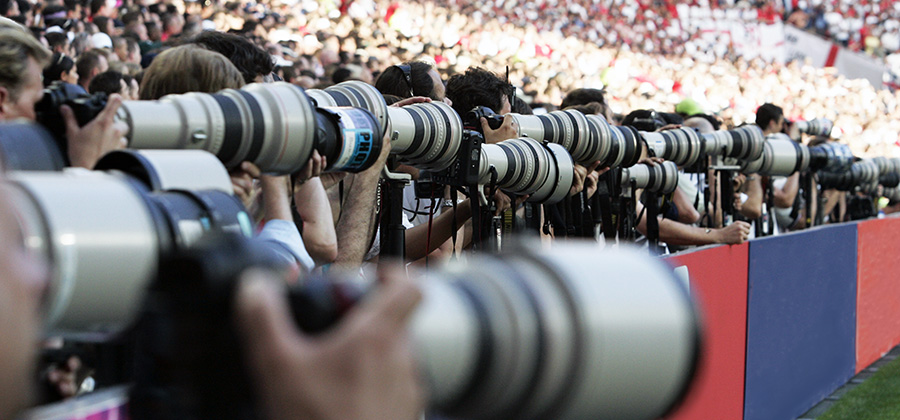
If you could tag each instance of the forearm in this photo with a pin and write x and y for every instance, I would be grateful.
(318, 224)
(417, 243)
(784, 197)
(275, 198)
(752, 208)
(357, 221)
(832, 198)
(686, 211)
(676, 233)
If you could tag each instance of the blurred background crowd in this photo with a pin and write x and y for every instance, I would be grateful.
(647, 54)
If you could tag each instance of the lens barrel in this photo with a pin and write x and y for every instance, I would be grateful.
(540, 335)
(781, 157)
(816, 127)
(744, 143)
(683, 146)
(588, 138)
(424, 135)
(863, 174)
(525, 166)
(85, 223)
(661, 179)
(832, 157)
(273, 125)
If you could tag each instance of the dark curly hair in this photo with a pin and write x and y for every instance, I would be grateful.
(392, 81)
(477, 87)
(250, 60)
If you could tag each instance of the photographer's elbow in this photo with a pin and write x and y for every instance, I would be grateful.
(783, 200)
(323, 253)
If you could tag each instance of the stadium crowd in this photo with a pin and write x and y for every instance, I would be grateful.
(638, 51)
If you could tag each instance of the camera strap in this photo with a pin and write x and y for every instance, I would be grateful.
(604, 204)
(587, 216)
(651, 207)
(295, 214)
(453, 227)
(569, 215)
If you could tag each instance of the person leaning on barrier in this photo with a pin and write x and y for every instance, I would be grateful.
(362, 369)
(22, 59)
(747, 199)
(673, 232)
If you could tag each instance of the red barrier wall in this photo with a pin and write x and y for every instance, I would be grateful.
(878, 290)
(719, 285)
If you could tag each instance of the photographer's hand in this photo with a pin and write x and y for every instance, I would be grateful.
(668, 127)
(312, 169)
(508, 130)
(410, 101)
(593, 179)
(581, 173)
(362, 369)
(735, 233)
(242, 182)
(103, 134)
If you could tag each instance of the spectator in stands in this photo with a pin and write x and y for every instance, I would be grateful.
(172, 26)
(58, 42)
(89, 65)
(61, 67)
(253, 62)
(108, 82)
(127, 49)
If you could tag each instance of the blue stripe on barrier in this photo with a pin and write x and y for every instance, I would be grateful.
(801, 321)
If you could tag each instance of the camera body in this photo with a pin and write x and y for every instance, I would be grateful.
(463, 172)
(85, 107)
(472, 119)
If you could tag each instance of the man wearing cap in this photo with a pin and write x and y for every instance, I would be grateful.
(688, 108)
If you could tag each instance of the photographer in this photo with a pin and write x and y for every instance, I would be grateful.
(418, 79)
(674, 232)
(89, 65)
(782, 190)
(317, 221)
(363, 369)
(480, 87)
(166, 75)
(832, 206)
(413, 78)
(22, 59)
